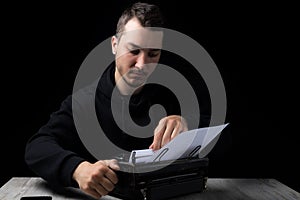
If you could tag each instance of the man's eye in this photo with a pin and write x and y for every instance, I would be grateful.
(152, 54)
(135, 52)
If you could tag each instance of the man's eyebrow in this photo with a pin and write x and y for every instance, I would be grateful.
(138, 47)
(134, 45)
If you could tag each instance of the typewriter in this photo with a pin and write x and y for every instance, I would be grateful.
(160, 180)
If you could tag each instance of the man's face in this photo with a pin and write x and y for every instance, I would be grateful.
(137, 53)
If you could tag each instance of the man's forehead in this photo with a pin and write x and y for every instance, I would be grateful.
(143, 37)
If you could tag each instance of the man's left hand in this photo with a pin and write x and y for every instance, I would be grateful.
(168, 128)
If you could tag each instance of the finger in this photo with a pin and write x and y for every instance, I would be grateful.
(99, 188)
(175, 132)
(109, 173)
(167, 134)
(157, 138)
(180, 127)
(106, 184)
(93, 193)
(112, 177)
(161, 124)
(113, 164)
(183, 125)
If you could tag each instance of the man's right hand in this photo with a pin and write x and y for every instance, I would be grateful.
(96, 179)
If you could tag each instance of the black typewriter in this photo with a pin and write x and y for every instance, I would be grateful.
(160, 180)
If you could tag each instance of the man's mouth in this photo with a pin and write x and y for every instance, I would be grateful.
(137, 74)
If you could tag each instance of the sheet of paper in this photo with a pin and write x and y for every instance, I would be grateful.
(196, 142)
(141, 155)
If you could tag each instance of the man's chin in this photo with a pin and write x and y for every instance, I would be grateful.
(136, 83)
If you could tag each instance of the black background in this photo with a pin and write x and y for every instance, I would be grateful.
(254, 46)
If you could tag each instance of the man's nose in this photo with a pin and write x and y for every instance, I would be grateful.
(141, 60)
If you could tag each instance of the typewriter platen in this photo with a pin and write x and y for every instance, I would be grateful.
(160, 180)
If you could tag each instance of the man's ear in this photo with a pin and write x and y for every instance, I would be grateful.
(114, 44)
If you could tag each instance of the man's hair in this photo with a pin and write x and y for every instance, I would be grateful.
(149, 15)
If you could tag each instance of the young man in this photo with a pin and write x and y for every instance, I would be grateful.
(56, 152)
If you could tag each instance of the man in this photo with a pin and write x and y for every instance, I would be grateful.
(56, 152)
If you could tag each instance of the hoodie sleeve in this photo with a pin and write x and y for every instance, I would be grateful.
(55, 151)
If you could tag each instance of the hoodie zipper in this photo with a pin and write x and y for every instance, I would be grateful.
(122, 114)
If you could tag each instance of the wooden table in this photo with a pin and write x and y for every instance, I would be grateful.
(255, 189)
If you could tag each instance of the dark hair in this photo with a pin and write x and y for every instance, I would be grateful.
(149, 15)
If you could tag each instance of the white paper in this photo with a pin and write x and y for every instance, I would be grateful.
(141, 155)
(196, 142)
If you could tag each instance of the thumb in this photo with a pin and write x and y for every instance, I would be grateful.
(151, 146)
(113, 164)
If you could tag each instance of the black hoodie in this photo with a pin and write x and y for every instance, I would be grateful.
(55, 151)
